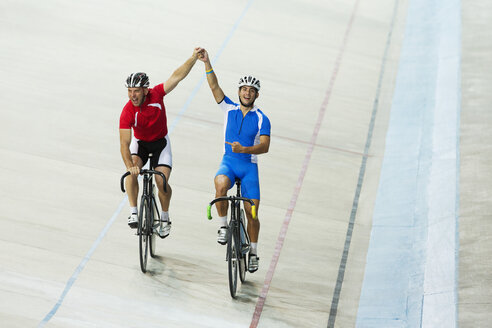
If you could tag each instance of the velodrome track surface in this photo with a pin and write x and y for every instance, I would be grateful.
(337, 83)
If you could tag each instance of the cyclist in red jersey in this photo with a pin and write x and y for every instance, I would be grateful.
(145, 113)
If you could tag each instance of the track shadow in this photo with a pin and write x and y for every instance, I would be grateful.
(247, 292)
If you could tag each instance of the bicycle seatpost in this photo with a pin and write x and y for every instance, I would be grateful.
(151, 167)
(238, 184)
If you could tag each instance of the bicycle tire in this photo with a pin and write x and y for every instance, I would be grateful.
(153, 219)
(232, 263)
(143, 234)
(243, 264)
(242, 268)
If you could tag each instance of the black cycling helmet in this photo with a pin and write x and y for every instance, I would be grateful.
(137, 80)
(250, 81)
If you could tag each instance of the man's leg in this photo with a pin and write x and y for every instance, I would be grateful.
(253, 232)
(164, 164)
(253, 224)
(164, 199)
(132, 191)
(222, 184)
(251, 189)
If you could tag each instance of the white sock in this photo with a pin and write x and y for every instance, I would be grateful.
(254, 248)
(164, 216)
(223, 221)
(133, 210)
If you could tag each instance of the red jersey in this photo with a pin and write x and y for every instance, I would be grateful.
(149, 121)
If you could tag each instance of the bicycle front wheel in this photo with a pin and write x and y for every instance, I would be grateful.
(232, 261)
(143, 233)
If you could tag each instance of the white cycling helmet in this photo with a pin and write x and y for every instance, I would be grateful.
(137, 80)
(249, 81)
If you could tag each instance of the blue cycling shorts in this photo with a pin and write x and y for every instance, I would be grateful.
(246, 171)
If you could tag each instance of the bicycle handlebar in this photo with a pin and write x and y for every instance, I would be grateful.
(142, 172)
(230, 198)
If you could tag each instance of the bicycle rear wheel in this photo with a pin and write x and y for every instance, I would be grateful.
(143, 233)
(243, 248)
(156, 221)
(242, 268)
(232, 262)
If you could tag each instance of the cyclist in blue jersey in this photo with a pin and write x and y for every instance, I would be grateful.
(246, 134)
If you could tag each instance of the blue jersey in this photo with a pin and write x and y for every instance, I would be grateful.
(245, 130)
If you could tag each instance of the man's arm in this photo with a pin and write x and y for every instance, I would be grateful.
(181, 72)
(260, 148)
(213, 83)
(125, 139)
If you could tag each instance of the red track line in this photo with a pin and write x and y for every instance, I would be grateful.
(283, 231)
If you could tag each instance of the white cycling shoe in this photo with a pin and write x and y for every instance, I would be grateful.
(253, 263)
(133, 221)
(165, 229)
(222, 235)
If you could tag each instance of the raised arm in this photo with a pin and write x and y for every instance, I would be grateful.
(213, 83)
(181, 72)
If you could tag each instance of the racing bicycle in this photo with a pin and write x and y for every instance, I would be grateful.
(149, 221)
(238, 243)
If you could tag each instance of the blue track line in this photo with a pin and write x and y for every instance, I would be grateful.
(82, 264)
(185, 107)
(360, 180)
(410, 275)
(214, 60)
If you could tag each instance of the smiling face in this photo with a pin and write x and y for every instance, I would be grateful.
(137, 95)
(247, 95)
